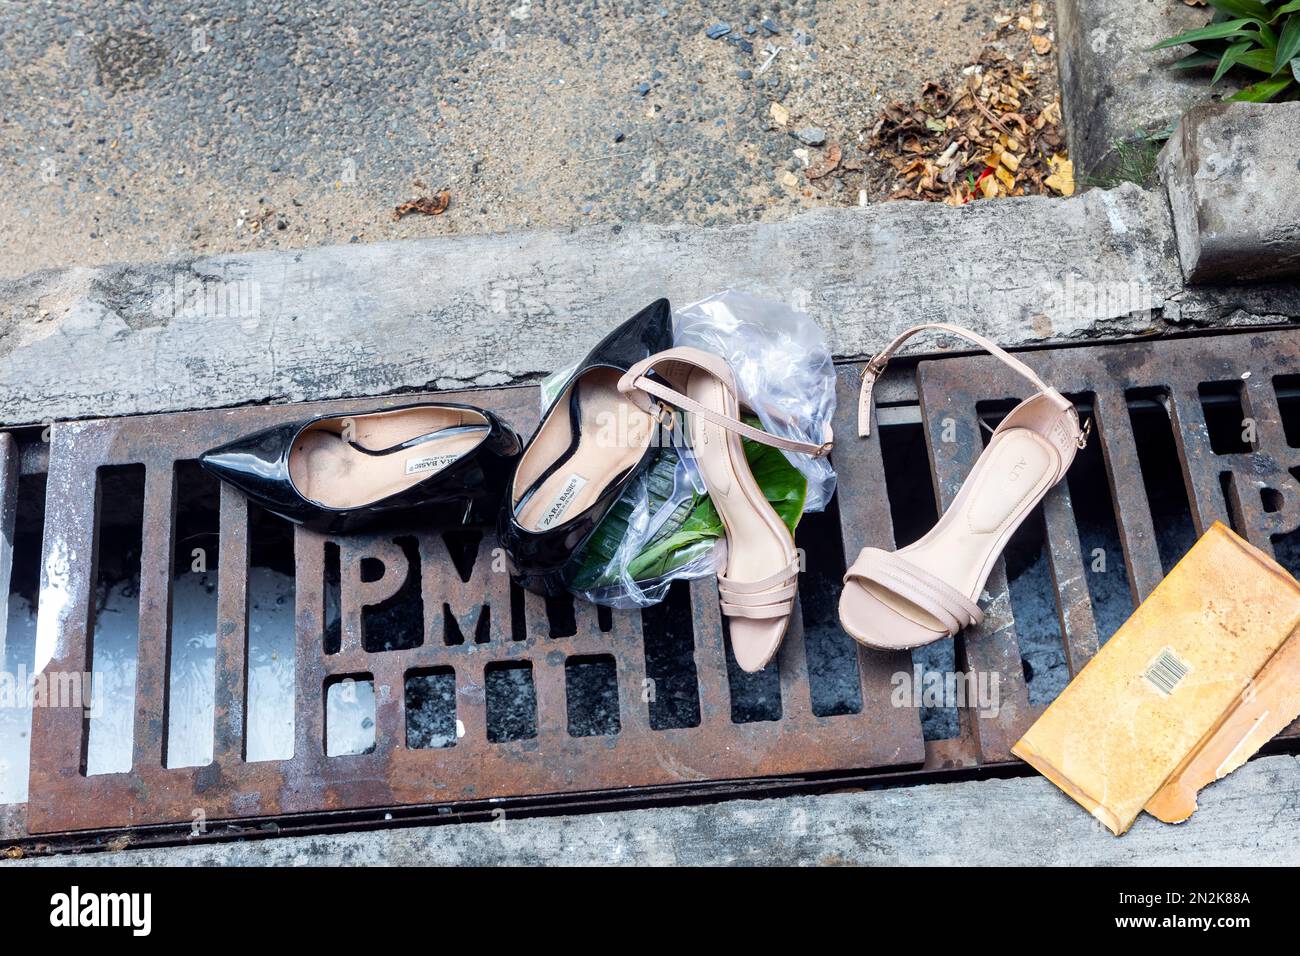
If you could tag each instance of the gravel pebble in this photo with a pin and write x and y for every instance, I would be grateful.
(812, 135)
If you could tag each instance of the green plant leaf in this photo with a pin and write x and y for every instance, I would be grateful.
(1288, 44)
(1193, 60)
(1243, 8)
(1263, 91)
(1295, 69)
(1286, 8)
(1230, 58)
(1260, 60)
(1215, 31)
(1214, 47)
(1268, 39)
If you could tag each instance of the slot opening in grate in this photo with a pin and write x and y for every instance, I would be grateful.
(190, 701)
(18, 639)
(349, 715)
(909, 488)
(115, 619)
(431, 708)
(1162, 474)
(671, 691)
(271, 646)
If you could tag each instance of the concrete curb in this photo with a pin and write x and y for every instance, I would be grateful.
(1218, 164)
(1250, 818)
(489, 310)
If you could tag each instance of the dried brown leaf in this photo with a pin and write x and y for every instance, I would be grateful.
(830, 161)
(424, 205)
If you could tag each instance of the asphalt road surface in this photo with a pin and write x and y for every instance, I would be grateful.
(132, 131)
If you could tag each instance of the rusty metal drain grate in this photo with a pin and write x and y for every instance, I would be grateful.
(479, 645)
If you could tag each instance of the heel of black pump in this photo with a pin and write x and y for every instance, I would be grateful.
(481, 512)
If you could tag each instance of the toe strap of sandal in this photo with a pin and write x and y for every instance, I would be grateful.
(766, 598)
(927, 591)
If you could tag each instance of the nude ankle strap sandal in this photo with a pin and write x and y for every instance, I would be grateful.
(930, 589)
(759, 584)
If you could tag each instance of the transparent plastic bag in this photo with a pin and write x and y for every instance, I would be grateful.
(663, 528)
(783, 368)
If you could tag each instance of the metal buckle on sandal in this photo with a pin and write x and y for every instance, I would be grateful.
(664, 416)
(1082, 440)
(874, 367)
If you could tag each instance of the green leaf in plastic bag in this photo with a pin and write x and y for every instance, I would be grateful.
(695, 527)
(598, 553)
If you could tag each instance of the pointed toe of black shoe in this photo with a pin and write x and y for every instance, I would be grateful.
(646, 333)
(565, 483)
(258, 465)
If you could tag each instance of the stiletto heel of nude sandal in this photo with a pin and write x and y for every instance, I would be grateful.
(757, 588)
(930, 589)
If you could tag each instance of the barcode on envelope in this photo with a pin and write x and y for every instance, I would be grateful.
(1167, 671)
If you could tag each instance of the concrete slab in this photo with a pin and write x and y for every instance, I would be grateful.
(487, 310)
(1234, 187)
(1250, 818)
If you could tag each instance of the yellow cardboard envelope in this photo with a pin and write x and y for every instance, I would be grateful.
(1205, 672)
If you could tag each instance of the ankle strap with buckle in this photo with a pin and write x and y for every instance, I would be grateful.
(638, 386)
(875, 367)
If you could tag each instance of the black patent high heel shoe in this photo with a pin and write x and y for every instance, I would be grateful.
(422, 465)
(591, 442)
